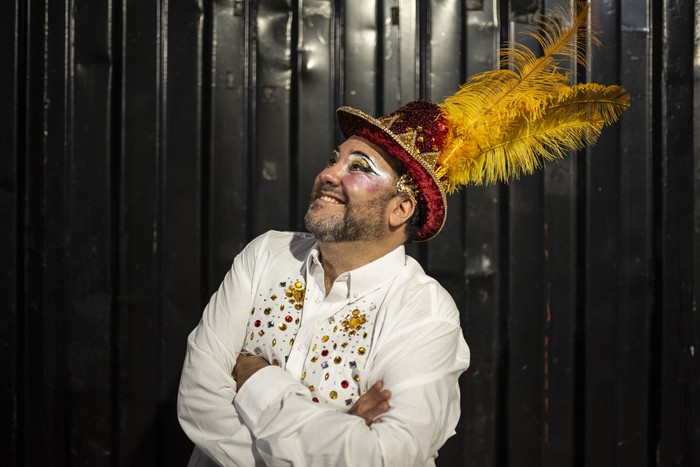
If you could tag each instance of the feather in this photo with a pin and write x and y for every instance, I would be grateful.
(505, 122)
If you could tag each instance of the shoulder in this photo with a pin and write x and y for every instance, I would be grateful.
(273, 249)
(420, 297)
(275, 242)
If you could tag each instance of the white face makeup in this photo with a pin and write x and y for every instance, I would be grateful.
(359, 161)
(350, 195)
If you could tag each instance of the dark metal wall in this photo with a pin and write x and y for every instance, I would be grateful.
(143, 143)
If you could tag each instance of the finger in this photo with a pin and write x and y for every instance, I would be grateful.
(374, 395)
(373, 401)
(369, 398)
(377, 410)
(364, 411)
(377, 387)
(370, 411)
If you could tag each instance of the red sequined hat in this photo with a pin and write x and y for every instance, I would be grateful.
(414, 135)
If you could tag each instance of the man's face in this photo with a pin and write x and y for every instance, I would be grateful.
(350, 196)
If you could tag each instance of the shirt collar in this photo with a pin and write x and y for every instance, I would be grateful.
(367, 278)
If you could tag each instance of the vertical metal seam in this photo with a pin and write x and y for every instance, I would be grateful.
(422, 82)
(656, 321)
(21, 155)
(67, 153)
(337, 62)
(44, 146)
(580, 344)
(250, 78)
(207, 78)
(161, 153)
(296, 42)
(379, 59)
(423, 56)
(653, 364)
(502, 430)
(115, 35)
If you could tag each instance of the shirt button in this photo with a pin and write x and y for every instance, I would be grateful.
(355, 295)
(300, 347)
(318, 299)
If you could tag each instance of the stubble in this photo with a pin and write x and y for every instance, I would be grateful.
(359, 221)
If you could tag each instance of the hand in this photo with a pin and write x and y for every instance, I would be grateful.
(372, 404)
(246, 366)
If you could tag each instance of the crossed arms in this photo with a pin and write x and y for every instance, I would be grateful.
(369, 406)
(269, 416)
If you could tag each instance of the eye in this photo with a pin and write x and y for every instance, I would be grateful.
(332, 160)
(361, 165)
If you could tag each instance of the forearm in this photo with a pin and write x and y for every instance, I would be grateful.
(290, 429)
(205, 409)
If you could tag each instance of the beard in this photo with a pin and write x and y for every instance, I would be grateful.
(359, 222)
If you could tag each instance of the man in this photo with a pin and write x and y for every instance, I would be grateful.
(342, 350)
(314, 327)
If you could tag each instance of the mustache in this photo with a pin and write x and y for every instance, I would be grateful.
(325, 188)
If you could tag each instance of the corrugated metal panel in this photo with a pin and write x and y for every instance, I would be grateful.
(483, 320)
(636, 302)
(601, 243)
(560, 444)
(226, 137)
(276, 34)
(149, 142)
(561, 312)
(180, 264)
(140, 177)
(361, 49)
(676, 323)
(12, 78)
(314, 100)
(88, 222)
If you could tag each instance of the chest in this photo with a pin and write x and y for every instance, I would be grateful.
(328, 352)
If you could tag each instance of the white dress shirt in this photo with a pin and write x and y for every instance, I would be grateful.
(385, 321)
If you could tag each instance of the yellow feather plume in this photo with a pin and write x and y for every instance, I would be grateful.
(505, 122)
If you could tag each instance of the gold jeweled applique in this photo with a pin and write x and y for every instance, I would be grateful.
(275, 319)
(338, 354)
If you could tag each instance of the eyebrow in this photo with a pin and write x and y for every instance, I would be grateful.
(365, 156)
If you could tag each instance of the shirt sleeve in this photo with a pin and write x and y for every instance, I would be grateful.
(420, 366)
(205, 397)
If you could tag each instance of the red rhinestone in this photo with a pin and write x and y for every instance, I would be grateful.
(344, 384)
(324, 352)
(257, 323)
(315, 399)
(288, 319)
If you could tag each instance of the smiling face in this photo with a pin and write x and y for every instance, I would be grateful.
(350, 198)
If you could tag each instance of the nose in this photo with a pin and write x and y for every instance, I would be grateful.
(331, 175)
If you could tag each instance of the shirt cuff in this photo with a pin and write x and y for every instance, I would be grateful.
(260, 390)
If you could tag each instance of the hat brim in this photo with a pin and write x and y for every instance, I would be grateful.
(432, 201)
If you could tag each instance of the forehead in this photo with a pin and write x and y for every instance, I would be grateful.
(377, 154)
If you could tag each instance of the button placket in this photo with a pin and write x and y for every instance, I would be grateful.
(338, 352)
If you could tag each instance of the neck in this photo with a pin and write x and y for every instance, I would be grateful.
(340, 257)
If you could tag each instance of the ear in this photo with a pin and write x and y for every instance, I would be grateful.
(401, 212)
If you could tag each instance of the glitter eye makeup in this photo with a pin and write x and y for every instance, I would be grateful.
(367, 164)
(357, 168)
(361, 161)
(357, 161)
